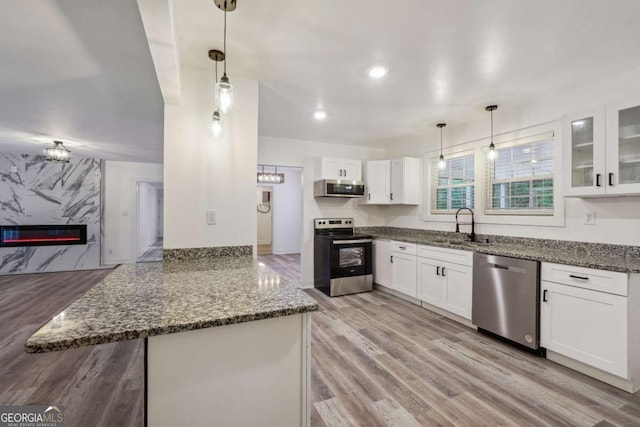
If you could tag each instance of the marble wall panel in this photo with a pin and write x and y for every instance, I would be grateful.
(34, 191)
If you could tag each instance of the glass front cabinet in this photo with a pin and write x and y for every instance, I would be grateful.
(602, 155)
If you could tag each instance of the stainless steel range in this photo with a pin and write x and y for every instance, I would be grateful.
(342, 261)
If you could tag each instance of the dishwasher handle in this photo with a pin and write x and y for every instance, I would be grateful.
(509, 268)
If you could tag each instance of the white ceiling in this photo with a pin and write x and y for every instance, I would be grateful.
(447, 60)
(82, 72)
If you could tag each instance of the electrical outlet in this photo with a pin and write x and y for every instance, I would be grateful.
(14, 169)
(211, 217)
(589, 217)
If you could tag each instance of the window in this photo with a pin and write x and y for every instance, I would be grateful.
(452, 187)
(520, 179)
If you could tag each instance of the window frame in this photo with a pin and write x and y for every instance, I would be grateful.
(480, 149)
(430, 213)
(489, 181)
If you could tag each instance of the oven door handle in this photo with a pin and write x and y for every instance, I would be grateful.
(350, 242)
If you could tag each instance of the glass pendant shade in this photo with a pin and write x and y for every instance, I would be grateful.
(224, 90)
(58, 153)
(216, 126)
(442, 163)
(492, 151)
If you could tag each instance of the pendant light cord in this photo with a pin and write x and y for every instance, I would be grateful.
(214, 89)
(224, 42)
(491, 127)
(441, 140)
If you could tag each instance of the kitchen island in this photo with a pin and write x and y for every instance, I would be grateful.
(226, 339)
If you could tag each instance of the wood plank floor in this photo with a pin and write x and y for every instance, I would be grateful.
(288, 266)
(380, 361)
(376, 361)
(98, 386)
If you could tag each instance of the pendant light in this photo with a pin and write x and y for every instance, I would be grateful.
(216, 125)
(270, 178)
(492, 148)
(57, 153)
(224, 87)
(441, 162)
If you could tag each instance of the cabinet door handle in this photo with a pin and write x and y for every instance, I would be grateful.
(391, 259)
(598, 176)
(573, 276)
(610, 179)
(391, 196)
(437, 270)
(369, 196)
(402, 247)
(544, 296)
(443, 275)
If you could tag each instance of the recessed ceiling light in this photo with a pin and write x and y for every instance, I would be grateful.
(377, 71)
(320, 115)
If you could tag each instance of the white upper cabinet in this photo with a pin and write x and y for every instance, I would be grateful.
(378, 178)
(405, 180)
(394, 182)
(602, 151)
(623, 147)
(584, 153)
(339, 169)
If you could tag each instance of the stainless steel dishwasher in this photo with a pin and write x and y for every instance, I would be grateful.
(506, 295)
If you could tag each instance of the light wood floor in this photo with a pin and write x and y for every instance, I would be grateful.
(381, 361)
(264, 248)
(376, 361)
(98, 386)
(288, 266)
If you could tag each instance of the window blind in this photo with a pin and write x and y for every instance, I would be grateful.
(452, 188)
(520, 179)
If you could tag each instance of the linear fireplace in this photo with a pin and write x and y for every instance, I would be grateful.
(42, 235)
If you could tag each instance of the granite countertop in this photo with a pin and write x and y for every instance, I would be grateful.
(603, 257)
(143, 300)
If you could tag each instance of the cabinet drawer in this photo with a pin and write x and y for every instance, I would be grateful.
(455, 256)
(587, 278)
(407, 248)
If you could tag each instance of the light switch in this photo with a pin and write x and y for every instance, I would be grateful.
(589, 217)
(211, 217)
(14, 169)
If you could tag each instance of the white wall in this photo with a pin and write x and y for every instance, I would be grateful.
(289, 152)
(287, 213)
(120, 217)
(205, 173)
(147, 216)
(617, 219)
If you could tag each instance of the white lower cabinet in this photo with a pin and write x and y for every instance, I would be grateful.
(382, 273)
(444, 284)
(585, 325)
(404, 273)
(589, 318)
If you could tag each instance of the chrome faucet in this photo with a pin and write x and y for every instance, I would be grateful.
(472, 236)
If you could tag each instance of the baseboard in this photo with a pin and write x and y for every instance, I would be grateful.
(448, 315)
(307, 285)
(396, 293)
(596, 373)
(275, 251)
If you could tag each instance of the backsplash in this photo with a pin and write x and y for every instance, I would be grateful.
(600, 249)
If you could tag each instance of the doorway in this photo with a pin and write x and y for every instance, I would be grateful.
(265, 219)
(149, 236)
(279, 210)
